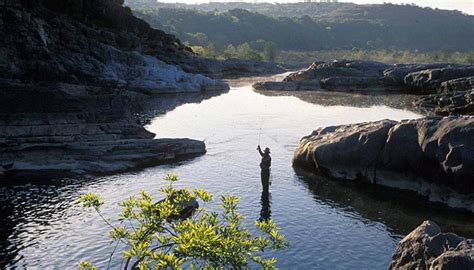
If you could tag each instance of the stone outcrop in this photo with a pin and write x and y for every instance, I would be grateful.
(339, 68)
(456, 97)
(431, 80)
(73, 75)
(427, 247)
(433, 156)
(41, 46)
(53, 132)
(46, 160)
(369, 76)
(339, 75)
(456, 102)
(460, 84)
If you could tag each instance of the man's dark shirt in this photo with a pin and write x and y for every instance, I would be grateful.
(266, 162)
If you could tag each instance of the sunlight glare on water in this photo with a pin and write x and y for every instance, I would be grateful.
(328, 226)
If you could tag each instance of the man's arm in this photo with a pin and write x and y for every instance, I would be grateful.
(260, 150)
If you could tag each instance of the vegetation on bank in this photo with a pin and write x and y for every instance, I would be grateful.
(269, 52)
(365, 27)
(169, 234)
(385, 56)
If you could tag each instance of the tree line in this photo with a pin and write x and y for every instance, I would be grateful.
(369, 27)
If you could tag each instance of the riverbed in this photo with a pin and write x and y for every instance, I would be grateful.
(328, 224)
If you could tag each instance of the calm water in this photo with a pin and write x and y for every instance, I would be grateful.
(329, 224)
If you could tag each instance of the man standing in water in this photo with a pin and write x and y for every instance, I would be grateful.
(265, 165)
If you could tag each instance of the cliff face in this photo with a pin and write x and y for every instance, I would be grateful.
(71, 74)
(91, 43)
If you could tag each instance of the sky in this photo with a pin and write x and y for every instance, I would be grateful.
(466, 6)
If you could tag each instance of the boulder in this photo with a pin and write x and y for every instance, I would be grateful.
(460, 84)
(431, 80)
(436, 160)
(339, 68)
(398, 72)
(427, 247)
(450, 103)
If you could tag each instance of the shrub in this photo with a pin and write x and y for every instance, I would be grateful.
(165, 235)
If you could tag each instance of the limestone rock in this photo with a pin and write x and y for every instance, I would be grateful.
(448, 103)
(460, 84)
(436, 160)
(371, 76)
(427, 247)
(430, 80)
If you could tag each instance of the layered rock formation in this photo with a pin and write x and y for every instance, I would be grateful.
(433, 156)
(52, 132)
(427, 247)
(447, 103)
(370, 76)
(72, 75)
(42, 46)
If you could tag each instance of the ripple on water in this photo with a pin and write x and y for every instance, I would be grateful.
(329, 225)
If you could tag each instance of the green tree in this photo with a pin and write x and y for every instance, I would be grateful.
(198, 38)
(245, 52)
(157, 235)
(208, 52)
(270, 51)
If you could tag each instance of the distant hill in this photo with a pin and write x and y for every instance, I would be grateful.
(313, 26)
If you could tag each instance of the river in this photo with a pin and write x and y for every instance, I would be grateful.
(328, 224)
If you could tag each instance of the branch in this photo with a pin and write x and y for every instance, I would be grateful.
(112, 254)
(108, 223)
(134, 266)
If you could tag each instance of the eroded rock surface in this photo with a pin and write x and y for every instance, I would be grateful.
(432, 156)
(72, 76)
(456, 102)
(41, 46)
(432, 80)
(427, 247)
(440, 80)
(46, 132)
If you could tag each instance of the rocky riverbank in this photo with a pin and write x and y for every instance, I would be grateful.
(427, 247)
(75, 74)
(450, 84)
(431, 156)
(51, 132)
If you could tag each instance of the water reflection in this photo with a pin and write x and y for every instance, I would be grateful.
(361, 100)
(42, 226)
(26, 210)
(161, 104)
(265, 212)
(401, 211)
